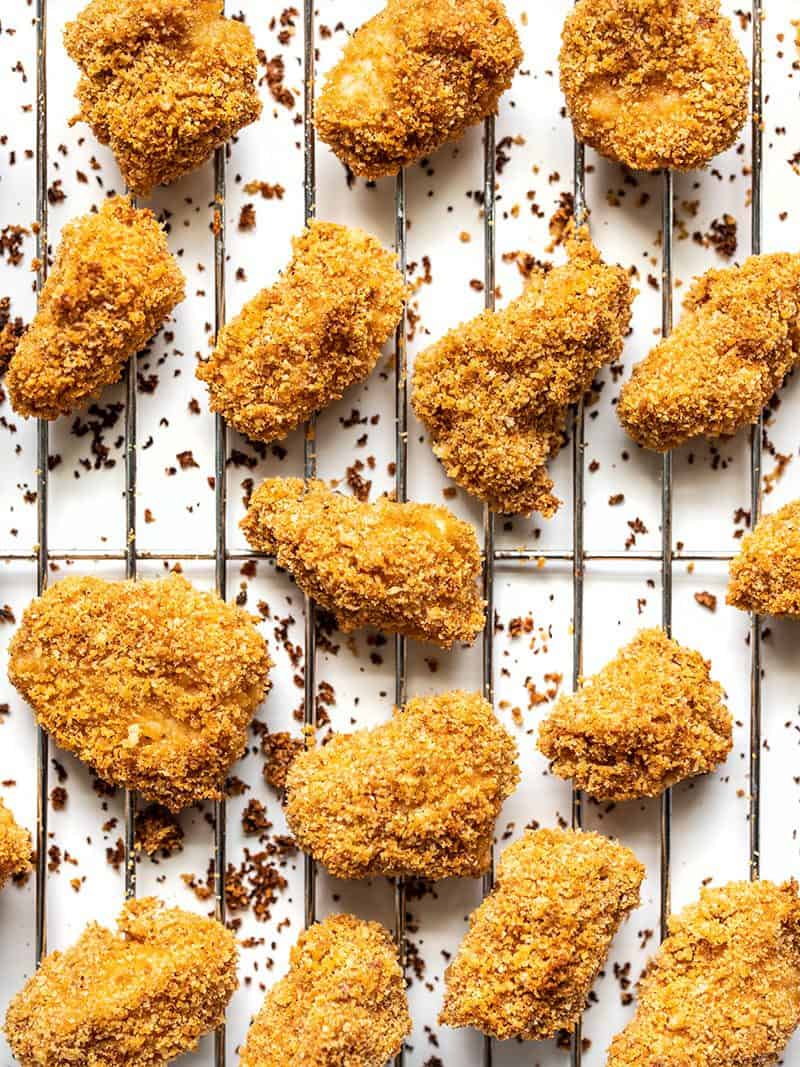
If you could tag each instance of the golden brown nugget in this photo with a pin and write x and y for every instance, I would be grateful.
(414, 797)
(738, 338)
(724, 988)
(403, 568)
(295, 348)
(164, 83)
(650, 718)
(535, 945)
(494, 392)
(342, 1004)
(654, 83)
(137, 997)
(415, 76)
(112, 285)
(152, 683)
(15, 846)
(765, 576)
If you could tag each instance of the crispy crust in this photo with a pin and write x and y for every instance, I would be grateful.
(535, 945)
(765, 576)
(152, 683)
(15, 846)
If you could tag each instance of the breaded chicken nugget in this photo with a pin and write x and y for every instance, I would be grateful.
(342, 1004)
(404, 568)
(738, 338)
(164, 82)
(493, 393)
(295, 348)
(724, 988)
(15, 846)
(152, 683)
(765, 576)
(654, 83)
(535, 945)
(650, 718)
(112, 286)
(135, 998)
(416, 75)
(415, 797)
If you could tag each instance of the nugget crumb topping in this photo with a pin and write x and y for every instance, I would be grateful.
(765, 576)
(15, 846)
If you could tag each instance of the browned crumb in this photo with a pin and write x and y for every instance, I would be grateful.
(296, 347)
(15, 846)
(765, 576)
(403, 568)
(152, 683)
(343, 1001)
(650, 718)
(654, 84)
(413, 77)
(724, 988)
(158, 831)
(164, 82)
(135, 998)
(494, 392)
(281, 749)
(535, 945)
(737, 339)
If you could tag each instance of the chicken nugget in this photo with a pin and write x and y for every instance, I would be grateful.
(415, 797)
(163, 83)
(765, 576)
(494, 392)
(654, 83)
(295, 348)
(738, 338)
(15, 846)
(415, 76)
(137, 997)
(112, 285)
(724, 988)
(342, 1003)
(152, 683)
(650, 718)
(535, 945)
(403, 568)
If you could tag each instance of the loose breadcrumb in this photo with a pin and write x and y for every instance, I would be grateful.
(765, 576)
(403, 568)
(535, 945)
(413, 77)
(342, 1003)
(15, 846)
(296, 347)
(135, 998)
(724, 988)
(494, 392)
(650, 718)
(152, 683)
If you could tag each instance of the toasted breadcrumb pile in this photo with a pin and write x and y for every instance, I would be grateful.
(724, 988)
(164, 83)
(494, 392)
(112, 285)
(765, 576)
(654, 83)
(296, 347)
(535, 945)
(135, 998)
(342, 1003)
(650, 718)
(417, 796)
(413, 77)
(403, 568)
(15, 846)
(152, 683)
(738, 338)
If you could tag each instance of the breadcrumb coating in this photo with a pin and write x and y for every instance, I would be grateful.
(738, 338)
(112, 285)
(137, 997)
(152, 683)
(15, 846)
(765, 576)
(650, 718)
(494, 392)
(724, 988)
(342, 1004)
(295, 348)
(414, 797)
(654, 83)
(163, 83)
(535, 945)
(403, 568)
(414, 77)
